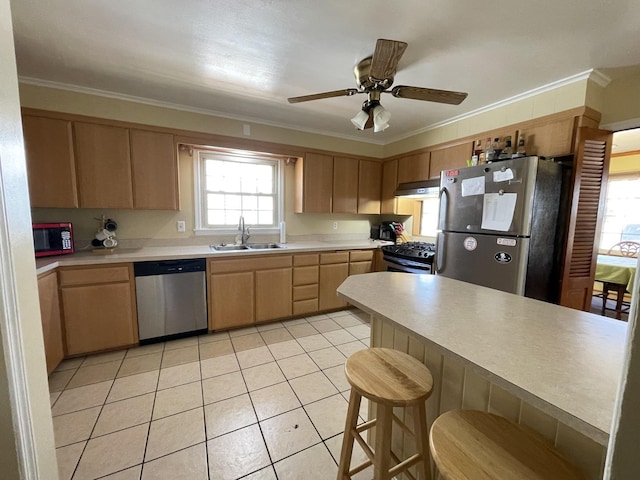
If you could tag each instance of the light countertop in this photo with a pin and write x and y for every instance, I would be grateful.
(119, 255)
(566, 362)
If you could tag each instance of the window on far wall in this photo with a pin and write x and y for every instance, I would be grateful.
(622, 214)
(233, 184)
(429, 217)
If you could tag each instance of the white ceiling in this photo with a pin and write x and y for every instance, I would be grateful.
(243, 58)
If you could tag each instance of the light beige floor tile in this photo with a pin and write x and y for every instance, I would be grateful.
(289, 433)
(132, 473)
(181, 343)
(94, 374)
(188, 464)
(174, 433)
(285, 349)
(302, 330)
(338, 378)
(361, 332)
(339, 337)
(145, 350)
(223, 387)
(112, 453)
(140, 364)
(247, 342)
(104, 358)
(328, 357)
(254, 356)
(315, 462)
(219, 365)
(53, 396)
(58, 380)
(267, 473)
(350, 348)
(238, 332)
(313, 342)
(74, 427)
(213, 337)
(68, 459)
(262, 376)
(69, 364)
(179, 356)
(328, 415)
(315, 318)
(326, 325)
(346, 321)
(216, 349)
(358, 456)
(297, 366)
(237, 453)
(179, 375)
(269, 326)
(75, 399)
(124, 414)
(177, 399)
(276, 335)
(274, 400)
(228, 415)
(297, 321)
(313, 387)
(133, 385)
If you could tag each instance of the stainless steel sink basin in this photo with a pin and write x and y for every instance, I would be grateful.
(228, 248)
(262, 246)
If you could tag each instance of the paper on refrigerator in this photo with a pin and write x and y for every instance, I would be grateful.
(473, 186)
(497, 211)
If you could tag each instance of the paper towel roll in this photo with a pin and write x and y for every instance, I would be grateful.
(283, 232)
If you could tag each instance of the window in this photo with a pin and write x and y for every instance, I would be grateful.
(429, 217)
(233, 184)
(622, 215)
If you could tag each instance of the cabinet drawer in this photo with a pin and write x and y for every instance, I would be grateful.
(305, 292)
(360, 255)
(337, 257)
(360, 267)
(303, 260)
(83, 276)
(305, 275)
(305, 306)
(249, 264)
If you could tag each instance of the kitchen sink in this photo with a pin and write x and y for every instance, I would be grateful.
(228, 248)
(263, 246)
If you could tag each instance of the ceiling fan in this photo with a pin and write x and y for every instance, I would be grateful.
(374, 76)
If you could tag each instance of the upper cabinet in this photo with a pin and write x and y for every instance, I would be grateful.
(555, 138)
(369, 186)
(314, 184)
(389, 202)
(413, 168)
(345, 185)
(73, 163)
(50, 162)
(449, 158)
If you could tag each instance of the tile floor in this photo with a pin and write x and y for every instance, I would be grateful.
(265, 402)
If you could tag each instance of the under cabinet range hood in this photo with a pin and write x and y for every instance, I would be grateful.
(421, 189)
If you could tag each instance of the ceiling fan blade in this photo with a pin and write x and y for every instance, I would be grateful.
(386, 57)
(347, 92)
(428, 94)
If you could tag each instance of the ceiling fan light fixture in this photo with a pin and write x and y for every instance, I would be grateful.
(360, 119)
(381, 118)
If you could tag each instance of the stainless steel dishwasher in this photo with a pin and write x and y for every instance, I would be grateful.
(171, 298)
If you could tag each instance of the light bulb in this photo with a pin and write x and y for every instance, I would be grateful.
(360, 119)
(380, 118)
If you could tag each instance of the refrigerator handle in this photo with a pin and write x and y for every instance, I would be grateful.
(438, 260)
(444, 204)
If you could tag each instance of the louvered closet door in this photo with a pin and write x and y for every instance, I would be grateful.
(590, 173)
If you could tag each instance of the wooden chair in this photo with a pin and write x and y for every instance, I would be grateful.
(625, 249)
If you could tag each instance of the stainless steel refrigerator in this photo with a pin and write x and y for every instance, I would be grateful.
(500, 227)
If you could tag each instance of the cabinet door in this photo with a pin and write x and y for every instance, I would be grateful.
(369, 186)
(345, 185)
(314, 184)
(51, 167)
(104, 166)
(413, 168)
(232, 300)
(389, 203)
(555, 138)
(331, 277)
(155, 170)
(449, 158)
(356, 268)
(98, 317)
(273, 294)
(51, 321)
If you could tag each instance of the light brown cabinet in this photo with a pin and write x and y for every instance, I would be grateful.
(305, 283)
(231, 300)
(314, 184)
(449, 158)
(389, 203)
(360, 261)
(369, 186)
(413, 168)
(273, 294)
(555, 138)
(334, 269)
(99, 308)
(50, 162)
(345, 185)
(51, 319)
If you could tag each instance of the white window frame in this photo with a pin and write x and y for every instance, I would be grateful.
(245, 156)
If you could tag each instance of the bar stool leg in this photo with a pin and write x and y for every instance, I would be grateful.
(347, 439)
(422, 440)
(382, 457)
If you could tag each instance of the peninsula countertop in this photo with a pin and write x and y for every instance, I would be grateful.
(566, 362)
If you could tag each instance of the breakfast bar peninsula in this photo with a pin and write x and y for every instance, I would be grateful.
(551, 368)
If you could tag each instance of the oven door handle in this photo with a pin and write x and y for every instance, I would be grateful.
(438, 261)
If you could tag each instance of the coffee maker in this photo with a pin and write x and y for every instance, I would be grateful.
(387, 231)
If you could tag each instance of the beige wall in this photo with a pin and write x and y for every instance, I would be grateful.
(625, 164)
(621, 102)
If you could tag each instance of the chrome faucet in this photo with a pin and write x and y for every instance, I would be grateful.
(245, 231)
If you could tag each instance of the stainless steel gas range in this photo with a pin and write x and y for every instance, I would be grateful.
(410, 257)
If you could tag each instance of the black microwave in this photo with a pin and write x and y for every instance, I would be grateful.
(52, 239)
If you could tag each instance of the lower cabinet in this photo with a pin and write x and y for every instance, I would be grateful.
(360, 261)
(273, 294)
(231, 299)
(334, 269)
(51, 319)
(99, 308)
(305, 283)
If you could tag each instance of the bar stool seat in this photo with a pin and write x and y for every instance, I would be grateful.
(468, 444)
(390, 379)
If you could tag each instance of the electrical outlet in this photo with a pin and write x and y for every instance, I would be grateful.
(335, 225)
(181, 226)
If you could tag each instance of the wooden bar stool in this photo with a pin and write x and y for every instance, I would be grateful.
(390, 379)
(468, 444)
